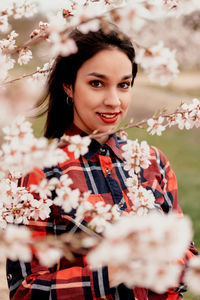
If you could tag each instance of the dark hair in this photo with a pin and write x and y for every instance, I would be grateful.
(59, 114)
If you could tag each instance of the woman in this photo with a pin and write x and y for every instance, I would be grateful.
(91, 90)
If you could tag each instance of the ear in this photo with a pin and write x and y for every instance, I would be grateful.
(68, 90)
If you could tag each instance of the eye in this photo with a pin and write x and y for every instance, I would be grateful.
(125, 85)
(96, 83)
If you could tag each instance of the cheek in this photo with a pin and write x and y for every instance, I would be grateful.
(83, 96)
(126, 102)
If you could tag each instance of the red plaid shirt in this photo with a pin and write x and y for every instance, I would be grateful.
(100, 171)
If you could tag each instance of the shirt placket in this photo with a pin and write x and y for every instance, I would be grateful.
(114, 187)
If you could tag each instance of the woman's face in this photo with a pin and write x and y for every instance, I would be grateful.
(102, 92)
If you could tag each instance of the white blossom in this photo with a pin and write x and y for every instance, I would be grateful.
(4, 25)
(102, 214)
(179, 7)
(98, 215)
(62, 45)
(40, 209)
(23, 8)
(136, 156)
(192, 275)
(183, 121)
(66, 197)
(43, 73)
(16, 243)
(6, 63)
(9, 42)
(150, 247)
(159, 62)
(19, 128)
(123, 135)
(143, 200)
(190, 116)
(56, 23)
(155, 126)
(18, 205)
(132, 183)
(25, 55)
(78, 145)
(93, 25)
(48, 257)
(44, 188)
(23, 152)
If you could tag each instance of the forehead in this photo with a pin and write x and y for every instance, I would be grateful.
(109, 62)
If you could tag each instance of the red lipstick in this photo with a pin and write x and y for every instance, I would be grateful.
(108, 117)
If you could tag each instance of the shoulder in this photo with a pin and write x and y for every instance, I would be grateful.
(157, 157)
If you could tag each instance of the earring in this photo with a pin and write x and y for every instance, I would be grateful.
(69, 101)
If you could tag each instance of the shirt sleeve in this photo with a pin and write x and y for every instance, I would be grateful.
(66, 280)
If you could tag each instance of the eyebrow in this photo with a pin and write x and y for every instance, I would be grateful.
(102, 76)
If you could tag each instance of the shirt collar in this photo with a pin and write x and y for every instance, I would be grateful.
(95, 146)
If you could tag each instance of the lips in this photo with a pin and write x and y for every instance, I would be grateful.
(108, 117)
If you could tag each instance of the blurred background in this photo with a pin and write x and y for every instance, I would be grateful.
(181, 147)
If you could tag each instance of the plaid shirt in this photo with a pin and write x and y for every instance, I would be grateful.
(100, 171)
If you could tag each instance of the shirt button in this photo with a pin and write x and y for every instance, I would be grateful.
(9, 276)
(103, 150)
(108, 171)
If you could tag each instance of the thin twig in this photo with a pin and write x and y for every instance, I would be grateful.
(25, 76)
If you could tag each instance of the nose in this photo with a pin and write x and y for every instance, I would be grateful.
(111, 98)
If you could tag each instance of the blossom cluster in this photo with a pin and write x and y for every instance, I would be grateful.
(17, 9)
(16, 243)
(136, 156)
(159, 62)
(187, 116)
(22, 152)
(98, 215)
(9, 42)
(77, 145)
(145, 250)
(18, 205)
